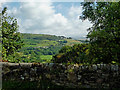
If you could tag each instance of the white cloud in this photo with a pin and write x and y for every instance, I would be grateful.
(75, 10)
(78, 28)
(40, 17)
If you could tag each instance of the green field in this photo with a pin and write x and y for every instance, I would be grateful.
(41, 47)
(46, 57)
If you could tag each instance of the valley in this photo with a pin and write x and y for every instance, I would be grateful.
(41, 47)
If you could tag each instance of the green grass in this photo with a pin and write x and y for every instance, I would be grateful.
(46, 57)
(39, 43)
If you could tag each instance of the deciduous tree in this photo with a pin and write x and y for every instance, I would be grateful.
(11, 39)
(105, 33)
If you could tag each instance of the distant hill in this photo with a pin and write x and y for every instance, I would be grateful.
(44, 40)
(41, 47)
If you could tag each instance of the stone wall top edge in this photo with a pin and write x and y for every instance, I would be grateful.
(12, 64)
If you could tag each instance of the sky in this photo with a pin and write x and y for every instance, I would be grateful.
(55, 18)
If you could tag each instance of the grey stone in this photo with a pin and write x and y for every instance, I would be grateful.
(79, 77)
(94, 67)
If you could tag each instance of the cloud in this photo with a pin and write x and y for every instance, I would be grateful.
(75, 10)
(40, 17)
(78, 28)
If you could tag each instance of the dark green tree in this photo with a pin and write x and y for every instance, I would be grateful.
(105, 33)
(65, 49)
(77, 53)
(11, 39)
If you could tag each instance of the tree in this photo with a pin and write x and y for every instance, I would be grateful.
(105, 33)
(65, 49)
(11, 40)
(77, 53)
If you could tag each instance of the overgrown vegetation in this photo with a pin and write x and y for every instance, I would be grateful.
(72, 54)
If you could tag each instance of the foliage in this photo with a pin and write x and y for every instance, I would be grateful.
(11, 39)
(105, 33)
(65, 49)
(77, 53)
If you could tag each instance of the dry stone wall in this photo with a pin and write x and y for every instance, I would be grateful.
(75, 76)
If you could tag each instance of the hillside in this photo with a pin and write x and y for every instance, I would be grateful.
(41, 47)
